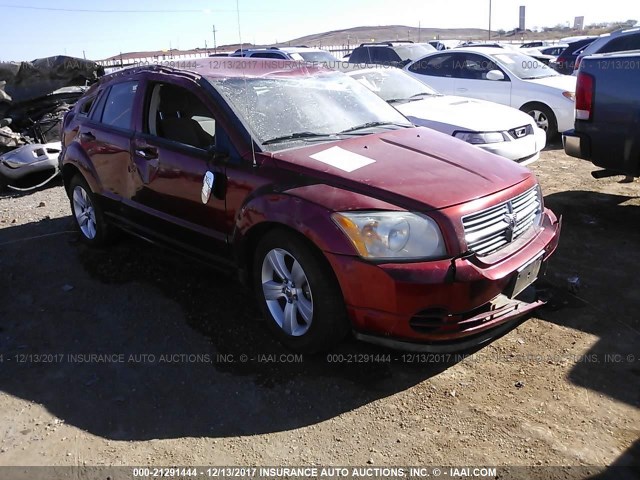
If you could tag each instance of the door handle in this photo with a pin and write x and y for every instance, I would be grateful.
(461, 89)
(146, 153)
(87, 137)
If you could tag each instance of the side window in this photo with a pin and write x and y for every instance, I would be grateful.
(384, 54)
(436, 66)
(268, 55)
(474, 67)
(119, 105)
(85, 107)
(102, 98)
(174, 113)
(359, 55)
(622, 44)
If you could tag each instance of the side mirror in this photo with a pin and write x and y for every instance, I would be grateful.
(216, 155)
(495, 75)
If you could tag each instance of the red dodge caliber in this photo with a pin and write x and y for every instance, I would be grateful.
(336, 211)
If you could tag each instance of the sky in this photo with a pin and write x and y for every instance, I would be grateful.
(98, 29)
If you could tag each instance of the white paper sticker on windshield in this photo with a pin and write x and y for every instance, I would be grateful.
(342, 159)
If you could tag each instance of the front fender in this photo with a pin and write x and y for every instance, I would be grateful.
(76, 156)
(309, 219)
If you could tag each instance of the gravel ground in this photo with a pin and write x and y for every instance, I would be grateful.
(171, 386)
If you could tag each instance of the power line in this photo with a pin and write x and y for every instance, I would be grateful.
(87, 10)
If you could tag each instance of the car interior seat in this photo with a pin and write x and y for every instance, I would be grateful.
(174, 118)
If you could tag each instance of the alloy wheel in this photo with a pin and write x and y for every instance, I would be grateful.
(287, 292)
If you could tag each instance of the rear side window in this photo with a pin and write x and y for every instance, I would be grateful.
(623, 44)
(119, 105)
(267, 55)
(85, 107)
(436, 66)
(383, 54)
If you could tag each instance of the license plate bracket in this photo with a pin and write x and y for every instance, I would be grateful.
(525, 276)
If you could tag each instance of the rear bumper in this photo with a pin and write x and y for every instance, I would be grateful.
(443, 305)
(576, 144)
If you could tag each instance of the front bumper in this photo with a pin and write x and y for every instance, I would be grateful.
(441, 305)
(576, 145)
(524, 150)
(29, 159)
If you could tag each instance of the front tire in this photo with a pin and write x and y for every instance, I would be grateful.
(544, 118)
(88, 215)
(298, 293)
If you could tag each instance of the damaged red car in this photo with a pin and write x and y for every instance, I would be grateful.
(338, 213)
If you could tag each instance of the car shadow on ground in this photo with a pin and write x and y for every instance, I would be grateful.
(553, 145)
(593, 288)
(135, 343)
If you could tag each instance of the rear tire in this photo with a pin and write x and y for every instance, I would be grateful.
(544, 118)
(87, 213)
(298, 293)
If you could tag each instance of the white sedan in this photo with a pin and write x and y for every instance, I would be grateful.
(502, 76)
(498, 129)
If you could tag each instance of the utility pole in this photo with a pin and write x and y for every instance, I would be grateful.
(489, 19)
(418, 32)
(215, 47)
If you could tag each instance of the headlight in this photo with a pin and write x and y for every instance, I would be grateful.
(388, 235)
(479, 138)
(13, 163)
(570, 95)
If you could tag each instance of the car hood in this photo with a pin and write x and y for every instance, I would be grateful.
(566, 83)
(414, 168)
(460, 113)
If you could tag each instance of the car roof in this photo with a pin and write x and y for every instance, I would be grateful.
(485, 50)
(230, 67)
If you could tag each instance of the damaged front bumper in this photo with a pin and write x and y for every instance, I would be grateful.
(29, 159)
(446, 305)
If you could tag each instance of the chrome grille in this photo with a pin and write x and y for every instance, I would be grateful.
(491, 229)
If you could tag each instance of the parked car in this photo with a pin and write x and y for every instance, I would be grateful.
(495, 128)
(339, 212)
(607, 127)
(535, 44)
(567, 59)
(389, 53)
(502, 76)
(620, 41)
(300, 54)
(553, 50)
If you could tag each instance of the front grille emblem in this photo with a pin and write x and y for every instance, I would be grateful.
(512, 221)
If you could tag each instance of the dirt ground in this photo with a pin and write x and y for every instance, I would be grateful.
(171, 386)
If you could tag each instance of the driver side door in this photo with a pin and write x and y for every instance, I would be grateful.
(472, 79)
(179, 170)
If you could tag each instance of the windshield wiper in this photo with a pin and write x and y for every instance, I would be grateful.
(374, 124)
(412, 98)
(295, 136)
(422, 94)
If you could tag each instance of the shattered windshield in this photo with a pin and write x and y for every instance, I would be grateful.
(306, 108)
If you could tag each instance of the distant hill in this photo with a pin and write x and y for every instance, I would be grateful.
(352, 37)
(358, 35)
